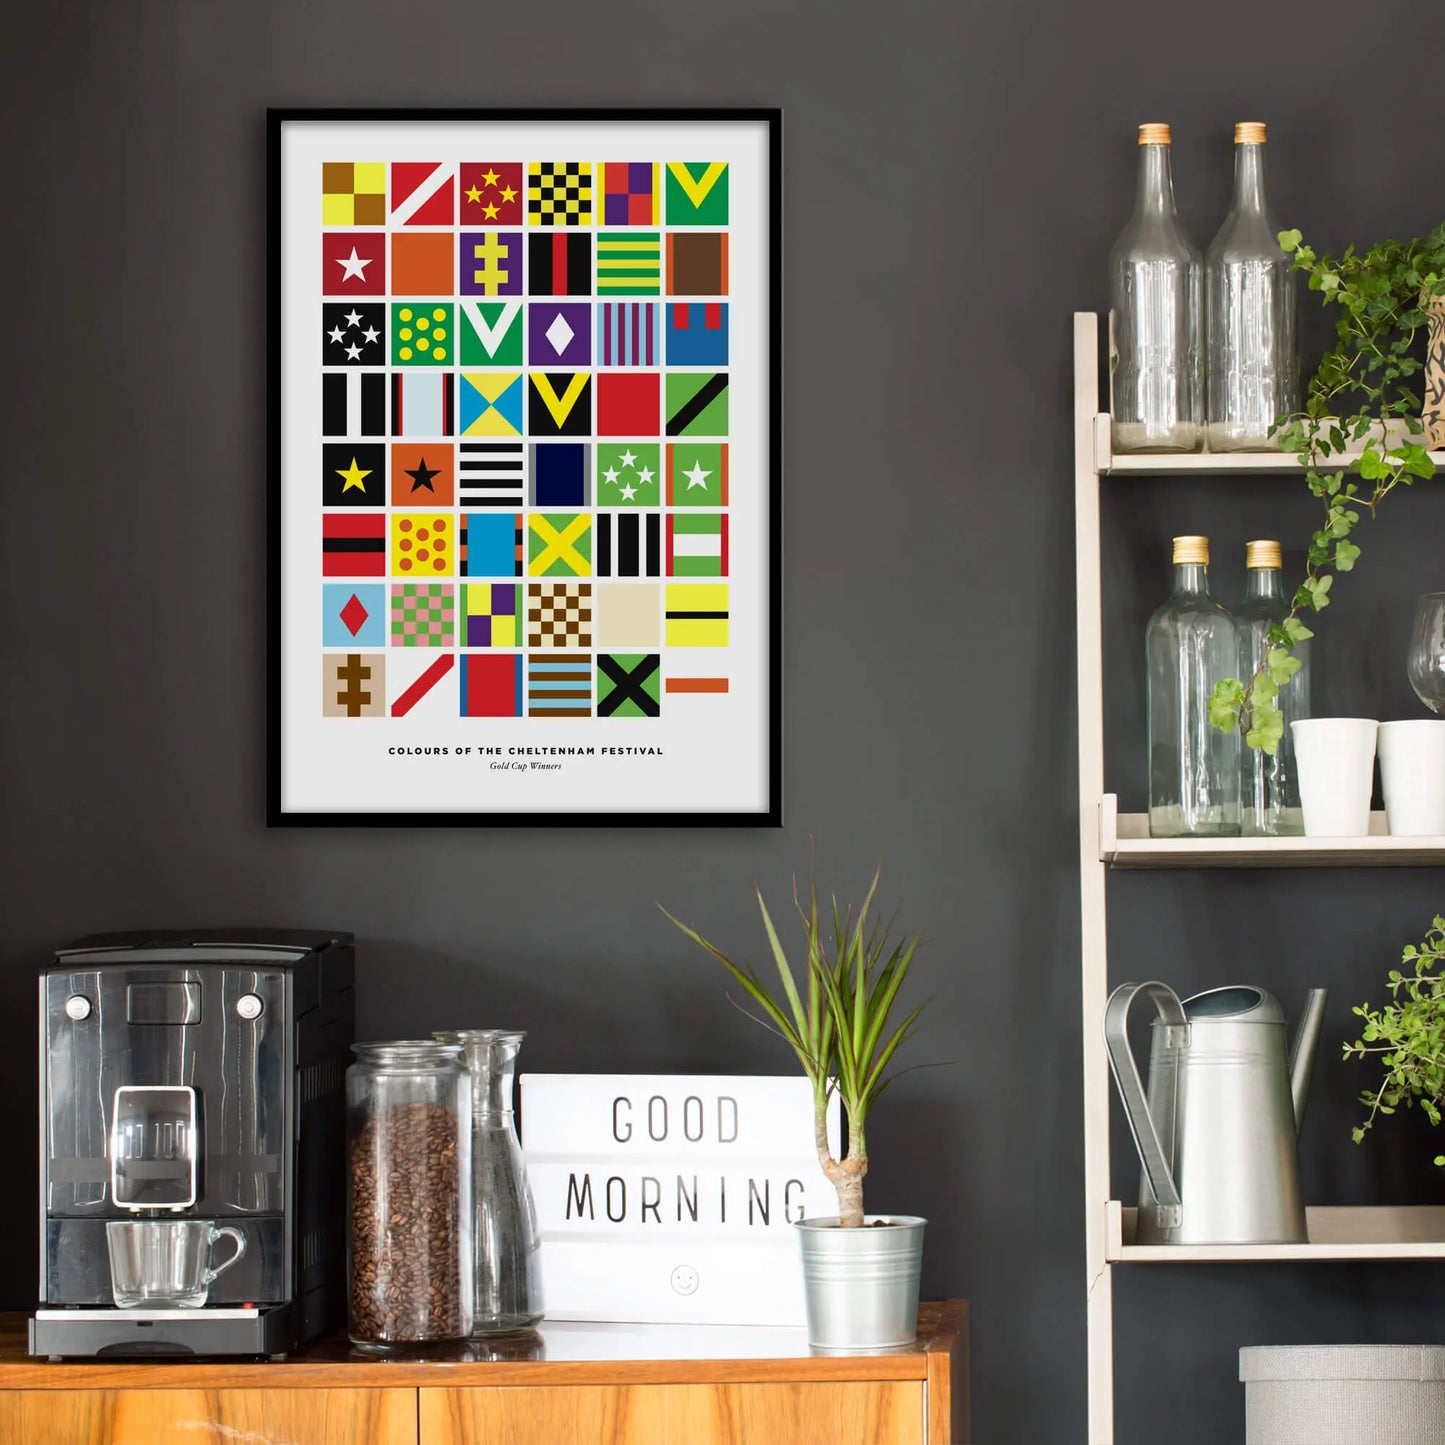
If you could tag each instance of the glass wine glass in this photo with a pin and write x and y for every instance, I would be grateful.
(1426, 667)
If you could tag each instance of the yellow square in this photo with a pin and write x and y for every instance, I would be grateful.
(697, 614)
(337, 210)
(369, 178)
(423, 544)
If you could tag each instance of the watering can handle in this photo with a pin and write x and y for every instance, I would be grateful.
(1154, 1153)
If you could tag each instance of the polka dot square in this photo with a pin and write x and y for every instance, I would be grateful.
(422, 544)
(422, 333)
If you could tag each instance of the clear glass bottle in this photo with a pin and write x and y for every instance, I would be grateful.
(506, 1265)
(1253, 366)
(408, 1216)
(1193, 766)
(1271, 803)
(1156, 332)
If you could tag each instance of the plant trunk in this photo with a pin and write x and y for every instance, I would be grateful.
(846, 1177)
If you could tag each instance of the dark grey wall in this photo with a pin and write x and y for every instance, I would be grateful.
(955, 175)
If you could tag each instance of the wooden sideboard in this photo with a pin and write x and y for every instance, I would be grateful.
(574, 1384)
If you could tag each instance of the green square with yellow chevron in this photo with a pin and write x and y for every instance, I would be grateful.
(697, 193)
(629, 263)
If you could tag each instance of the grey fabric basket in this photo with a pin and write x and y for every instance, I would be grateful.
(1343, 1394)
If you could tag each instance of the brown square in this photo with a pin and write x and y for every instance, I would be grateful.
(336, 178)
(697, 263)
(370, 209)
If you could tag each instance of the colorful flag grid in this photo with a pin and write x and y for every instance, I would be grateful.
(523, 440)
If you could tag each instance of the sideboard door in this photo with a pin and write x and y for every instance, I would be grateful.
(882, 1412)
(209, 1417)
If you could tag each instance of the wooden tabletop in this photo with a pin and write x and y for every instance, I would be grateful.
(560, 1354)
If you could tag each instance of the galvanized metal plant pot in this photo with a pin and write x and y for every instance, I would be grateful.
(861, 1285)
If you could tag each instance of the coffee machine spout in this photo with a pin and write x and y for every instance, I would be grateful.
(1302, 1052)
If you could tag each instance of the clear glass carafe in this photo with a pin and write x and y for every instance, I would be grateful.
(409, 1217)
(507, 1263)
(1249, 283)
(1271, 804)
(1156, 283)
(1193, 766)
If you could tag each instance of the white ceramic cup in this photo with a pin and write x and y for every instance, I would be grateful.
(1412, 770)
(1335, 757)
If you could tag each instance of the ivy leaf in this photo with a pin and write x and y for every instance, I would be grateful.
(1296, 630)
(1224, 704)
(1288, 240)
(1267, 727)
(1345, 554)
(1317, 589)
(1282, 665)
(1371, 465)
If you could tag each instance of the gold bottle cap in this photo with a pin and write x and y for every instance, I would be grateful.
(1191, 551)
(1262, 554)
(1155, 133)
(1249, 133)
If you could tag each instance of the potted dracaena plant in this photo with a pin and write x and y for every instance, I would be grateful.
(839, 1011)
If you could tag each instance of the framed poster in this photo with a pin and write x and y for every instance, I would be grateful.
(525, 521)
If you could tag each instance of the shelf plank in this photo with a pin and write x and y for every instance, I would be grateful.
(1124, 842)
(1209, 464)
(1336, 1233)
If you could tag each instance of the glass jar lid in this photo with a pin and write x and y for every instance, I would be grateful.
(408, 1053)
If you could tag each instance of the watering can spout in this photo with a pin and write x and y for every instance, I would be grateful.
(1302, 1052)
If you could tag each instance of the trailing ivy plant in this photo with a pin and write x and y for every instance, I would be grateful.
(1362, 396)
(1408, 1035)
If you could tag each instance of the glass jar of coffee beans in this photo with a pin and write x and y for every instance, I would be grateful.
(408, 1218)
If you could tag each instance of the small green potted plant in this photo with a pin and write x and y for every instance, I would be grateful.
(839, 1012)
(1408, 1036)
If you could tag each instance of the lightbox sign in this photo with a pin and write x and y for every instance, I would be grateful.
(671, 1198)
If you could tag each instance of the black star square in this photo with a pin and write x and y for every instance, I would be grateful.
(353, 474)
(421, 476)
(353, 334)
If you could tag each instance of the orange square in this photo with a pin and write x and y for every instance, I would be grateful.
(422, 263)
(422, 474)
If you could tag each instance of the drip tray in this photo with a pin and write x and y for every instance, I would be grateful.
(87, 1333)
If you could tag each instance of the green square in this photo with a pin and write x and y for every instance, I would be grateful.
(559, 544)
(696, 404)
(422, 333)
(697, 193)
(629, 684)
(697, 474)
(491, 333)
(625, 468)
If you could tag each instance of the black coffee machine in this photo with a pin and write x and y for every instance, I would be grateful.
(195, 1076)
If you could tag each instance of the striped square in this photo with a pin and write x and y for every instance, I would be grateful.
(697, 544)
(627, 544)
(560, 685)
(627, 333)
(490, 474)
(629, 263)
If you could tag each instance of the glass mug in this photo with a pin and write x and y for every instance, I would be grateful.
(165, 1263)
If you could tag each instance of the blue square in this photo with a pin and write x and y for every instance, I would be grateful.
(353, 615)
(561, 474)
(697, 333)
(491, 544)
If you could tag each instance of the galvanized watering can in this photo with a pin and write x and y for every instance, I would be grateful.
(1217, 1134)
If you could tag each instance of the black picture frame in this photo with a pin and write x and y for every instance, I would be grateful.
(769, 816)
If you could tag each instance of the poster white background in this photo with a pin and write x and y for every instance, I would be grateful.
(713, 747)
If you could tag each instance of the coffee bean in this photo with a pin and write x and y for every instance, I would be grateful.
(406, 1226)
